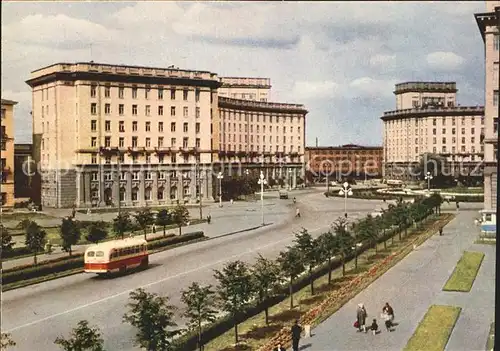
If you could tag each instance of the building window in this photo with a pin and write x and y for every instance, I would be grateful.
(185, 111)
(93, 125)
(472, 139)
(473, 131)
(160, 141)
(172, 126)
(463, 130)
(146, 92)
(160, 110)
(173, 158)
(94, 176)
(120, 92)
(444, 141)
(453, 131)
(172, 94)
(107, 141)
(185, 142)
(197, 142)
(121, 126)
(160, 93)
(463, 140)
(160, 158)
(495, 98)
(148, 142)
(185, 95)
(463, 148)
(107, 90)
(148, 126)
(434, 150)
(93, 108)
(134, 110)
(197, 127)
(197, 112)
(93, 91)
(496, 42)
(93, 142)
(495, 125)
(135, 194)
(123, 175)
(148, 110)
(453, 122)
(121, 109)
(93, 159)
(443, 149)
(173, 142)
(134, 158)
(172, 111)
(444, 131)
(185, 128)
(121, 142)
(107, 126)
(134, 141)
(160, 126)
(134, 93)
(434, 131)
(197, 95)
(134, 126)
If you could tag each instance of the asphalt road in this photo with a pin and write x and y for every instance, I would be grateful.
(36, 315)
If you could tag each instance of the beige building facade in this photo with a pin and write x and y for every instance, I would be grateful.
(246, 88)
(428, 120)
(488, 24)
(7, 153)
(265, 136)
(109, 135)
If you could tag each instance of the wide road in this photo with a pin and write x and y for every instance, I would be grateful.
(36, 315)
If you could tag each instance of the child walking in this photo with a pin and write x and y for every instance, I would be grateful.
(374, 326)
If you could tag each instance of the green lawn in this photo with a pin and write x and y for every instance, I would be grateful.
(465, 272)
(463, 190)
(434, 330)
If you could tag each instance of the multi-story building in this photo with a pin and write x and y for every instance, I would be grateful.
(245, 88)
(7, 153)
(264, 136)
(109, 135)
(345, 161)
(24, 172)
(427, 120)
(488, 24)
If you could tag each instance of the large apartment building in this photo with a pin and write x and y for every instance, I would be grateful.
(428, 120)
(7, 153)
(488, 24)
(109, 135)
(246, 88)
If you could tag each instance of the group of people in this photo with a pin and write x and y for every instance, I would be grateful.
(361, 315)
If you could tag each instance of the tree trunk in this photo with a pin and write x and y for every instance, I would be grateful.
(164, 231)
(343, 265)
(375, 243)
(123, 235)
(400, 231)
(385, 240)
(329, 270)
(145, 234)
(200, 345)
(311, 280)
(235, 331)
(70, 251)
(34, 257)
(355, 257)
(266, 312)
(180, 229)
(291, 293)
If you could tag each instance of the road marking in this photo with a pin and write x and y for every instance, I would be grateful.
(144, 286)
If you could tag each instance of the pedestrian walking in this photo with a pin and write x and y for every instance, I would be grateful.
(154, 229)
(297, 213)
(441, 231)
(458, 205)
(296, 331)
(388, 315)
(361, 317)
(209, 219)
(374, 326)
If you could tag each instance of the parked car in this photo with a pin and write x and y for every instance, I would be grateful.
(283, 194)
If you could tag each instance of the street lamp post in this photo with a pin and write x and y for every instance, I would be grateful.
(327, 171)
(262, 182)
(428, 177)
(290, 179)
(200, 178)
(220, 176)
(345, 191)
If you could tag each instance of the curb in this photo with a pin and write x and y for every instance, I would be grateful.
(238, 231)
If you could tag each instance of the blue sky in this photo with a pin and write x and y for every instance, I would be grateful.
(340, 59)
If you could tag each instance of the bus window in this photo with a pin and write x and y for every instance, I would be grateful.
(137, 249)
(99, 254)
(90, 254)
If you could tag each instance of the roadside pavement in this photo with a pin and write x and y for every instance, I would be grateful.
(411, 287)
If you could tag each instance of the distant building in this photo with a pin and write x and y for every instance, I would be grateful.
(256, 89)
(25, 176)
(7, 153)
(488, 26)
(427, 120)
(346, 161)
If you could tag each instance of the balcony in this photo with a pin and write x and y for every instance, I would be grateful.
(163, 150)
(136, 149)
(108, 150)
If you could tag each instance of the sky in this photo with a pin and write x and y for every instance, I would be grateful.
(340, 59)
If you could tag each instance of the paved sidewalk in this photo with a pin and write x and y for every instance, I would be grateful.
(411, 287)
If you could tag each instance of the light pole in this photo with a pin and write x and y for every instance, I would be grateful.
(290, 180)
(200, 178)
(220, 176)
(327, 172)
(262, 182)
(346, 190)
(428, 177)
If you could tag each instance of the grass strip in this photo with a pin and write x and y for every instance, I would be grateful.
(434, 331)
(490, 343)
(465, 272)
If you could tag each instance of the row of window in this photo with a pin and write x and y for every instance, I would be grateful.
(453, 131)
(147, 110)
(128, 251)
(148, 194)
(147, 93)
(147, 142)
(147, 159)
(147, 126)
(227, 127)
(418, 121)
(232, 147)
(147, 175)
(249, 117)
(444, 148)
(252, 139)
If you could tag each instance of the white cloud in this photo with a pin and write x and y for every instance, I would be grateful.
(381, 60)
(308, 90)
(367, 86)
(444, 61)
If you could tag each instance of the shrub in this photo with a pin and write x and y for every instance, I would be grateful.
(16, 251)
(176, 239)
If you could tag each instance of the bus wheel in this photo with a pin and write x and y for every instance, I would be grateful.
(123, 269)
(144, 262)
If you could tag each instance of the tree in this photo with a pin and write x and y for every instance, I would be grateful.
(122, 223)
(82, 338)
(35, 239)
(164, 218)
(6, 341)
(305, 244)
(70, 234)
(144, 218)
(343, 240)
(180, 216)
(7, 242)
(266, 277)
(291, 265)
(199, 301)
(327, 250)
(96, 233)
(235, 290)
(153, 317)
(366, 229)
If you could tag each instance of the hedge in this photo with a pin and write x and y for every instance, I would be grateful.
(15, 251)
(66, 263)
